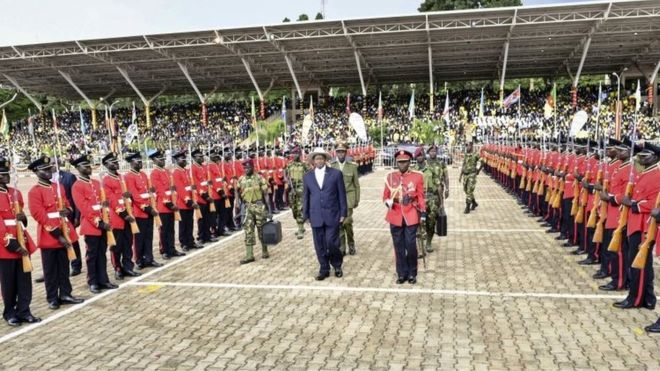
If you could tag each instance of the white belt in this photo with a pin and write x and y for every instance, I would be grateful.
(10, 222)
(168, 193)
(218, 179)
(204, 183)
(54, 215)
(96, 207)
(520, 161)
(121, 202)
(188, 188)
(144, 195)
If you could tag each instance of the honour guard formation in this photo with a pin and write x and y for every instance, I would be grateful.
(476, 186)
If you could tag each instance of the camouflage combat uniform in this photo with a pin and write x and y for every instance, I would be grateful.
(252, 189)
(469, 173)
(433, 173)
(294, 172)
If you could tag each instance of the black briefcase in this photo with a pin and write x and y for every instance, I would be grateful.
(272, 232)
(441, 223)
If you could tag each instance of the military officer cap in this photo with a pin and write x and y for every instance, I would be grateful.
(628, 143)
(215, 153)
(196, 153)
(156, 154)
(612, 143)
(419, 152)
(110, 157)
(132, 156)
(248, 161)
(295, 149)
(83, 160)
(649, 150)
(41, 163)
(433, 147)
(180, 154)
(402, 155)
(342, 147)
(4, 166)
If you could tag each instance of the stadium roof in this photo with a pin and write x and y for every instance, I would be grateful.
(479, 44)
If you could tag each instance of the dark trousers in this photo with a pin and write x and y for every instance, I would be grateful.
(76, 264)
(405, 249)
(144, 241)
(121, 256)
(56, 273)
(279, 197)
(221, 216)
(620, 261)
(607, 257)
(566, 218)
(326, 243)
(16, 288)
(97, 262)
(641, 281)
(186, 229)
(166, 233)
(204, 223)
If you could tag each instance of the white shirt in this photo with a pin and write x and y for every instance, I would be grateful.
(319, 174)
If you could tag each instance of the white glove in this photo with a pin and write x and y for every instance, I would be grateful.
(389, 202)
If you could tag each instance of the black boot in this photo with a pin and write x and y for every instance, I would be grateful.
(467, 208)
(474, 205)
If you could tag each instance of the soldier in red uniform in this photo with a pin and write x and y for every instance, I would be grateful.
(218, 191)
(121, 256)
(201, 182)
(655, 213)
(404, 198)
(137, 185)
(161, 180)
(43, 205)
(640, 205)
(16, 284)
(87, 195)
(184, 202)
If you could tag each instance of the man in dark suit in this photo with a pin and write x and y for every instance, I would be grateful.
(325, 207)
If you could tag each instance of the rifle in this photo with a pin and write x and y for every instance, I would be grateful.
(591, 222)
(105, 215)
(225, 189)
(177, 215)
(70, 253)
(128, 203)
(583, 197)
(643, 253)
(152, 202)
(193, 192)
(20, 228)
(209, 181)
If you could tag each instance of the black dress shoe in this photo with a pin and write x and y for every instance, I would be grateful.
(648, 306)
(625, 304)
(70, 299)
(94, 289)
(578, 252)
(178, 253)
(321, 277)
(14, 322)
(560, 237)
(600, 275)
(567, 244)
(587, 261)
(132, 273)
(139, 266)
(39, 279)
(108, 286)
(75, 272)
(609, 287)
(213, 239)
(54, 305)
(30, 319)
(247, 261)
(412, 280)
(119, 275)
(154, 264)
(197, 246)
(552, 230)
(166, 256)
(351, 250)
(654, 328)
(339, 273)
(400, 280)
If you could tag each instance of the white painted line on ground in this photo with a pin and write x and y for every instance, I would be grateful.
(73, 308)
(449, 230)
(459, 199)
(415, 291)
(451, 186)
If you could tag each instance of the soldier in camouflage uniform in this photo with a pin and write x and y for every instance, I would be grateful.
(436, 181)
(471, 167)
(294, 174)
(252, 192)
(349, 171)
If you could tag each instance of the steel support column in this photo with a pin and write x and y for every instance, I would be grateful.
(184, 69)
(23, 91)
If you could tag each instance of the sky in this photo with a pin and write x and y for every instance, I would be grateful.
(39, 21)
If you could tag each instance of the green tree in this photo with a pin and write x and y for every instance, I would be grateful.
(434, 5)
(286, 20)
(303, 17)
(318, 16)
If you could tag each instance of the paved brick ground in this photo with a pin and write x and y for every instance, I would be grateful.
(498, 293)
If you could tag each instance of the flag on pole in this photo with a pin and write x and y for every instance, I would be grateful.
(82, 122)
(512, 98)
(380, 106)
(253, 110)
(311, 107)
(133, 115)
(348, 104)
(4, 125)
(638, 97)
(548, 108)
(284, 108)
(481, 104)
(30, 124)
(411, 106)
(445, 111)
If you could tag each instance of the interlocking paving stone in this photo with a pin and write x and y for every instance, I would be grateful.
(500, 294)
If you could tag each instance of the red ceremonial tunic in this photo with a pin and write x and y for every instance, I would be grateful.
(8, 224)
(43, 206)
(397, 185)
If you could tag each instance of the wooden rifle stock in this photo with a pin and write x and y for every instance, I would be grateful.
(70, 253)
(105, 217)
(617, 236)
(643, 253)
(582, 203)
(600, 226)
(128, 204)
(152, 203)
(177, 215)
(591, 223)
(20, 237)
